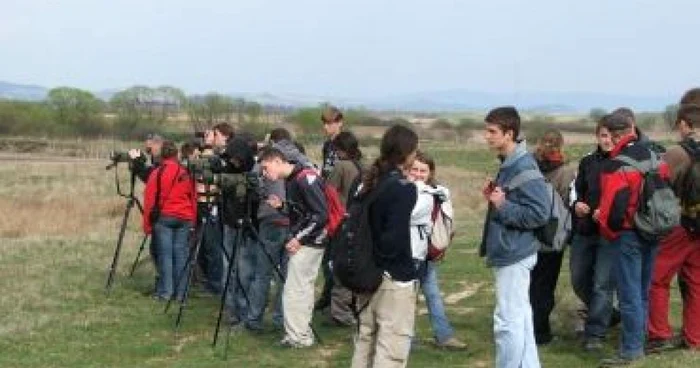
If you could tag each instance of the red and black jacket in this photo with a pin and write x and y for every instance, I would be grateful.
(177, 194)
(620, 185)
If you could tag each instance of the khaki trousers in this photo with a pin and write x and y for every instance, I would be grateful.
(386, 326)
(298, 294)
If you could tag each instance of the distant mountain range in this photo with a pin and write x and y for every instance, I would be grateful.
(446, 100)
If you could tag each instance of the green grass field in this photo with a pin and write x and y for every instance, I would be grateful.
(58, 228)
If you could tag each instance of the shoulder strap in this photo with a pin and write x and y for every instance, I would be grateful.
(644, 166)
(522, 178)
(160, 172)
(158, 180)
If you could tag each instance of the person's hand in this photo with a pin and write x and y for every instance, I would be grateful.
(596, 215)
(134, 153)
(487, 188)
(293, 246)
(582, 209)
(274, 201)
(497, 197)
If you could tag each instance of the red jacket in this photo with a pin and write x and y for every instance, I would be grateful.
(620, 185)
(177, 194)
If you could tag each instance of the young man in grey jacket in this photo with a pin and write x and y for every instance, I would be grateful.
(518, 204)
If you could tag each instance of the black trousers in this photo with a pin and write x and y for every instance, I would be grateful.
(543, 283)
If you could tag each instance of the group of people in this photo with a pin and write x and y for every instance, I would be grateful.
(609, 252)
(613, 251)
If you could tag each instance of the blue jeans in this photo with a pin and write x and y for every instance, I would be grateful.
(257, 281)
(236, 246)
(591, 264)
(431, 291)
(633, 276)
(171, 240)
(512, 319)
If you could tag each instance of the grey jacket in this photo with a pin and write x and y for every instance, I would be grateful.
(508, 232)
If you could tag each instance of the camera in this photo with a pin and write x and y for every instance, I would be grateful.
(209, 171)
(123, 157)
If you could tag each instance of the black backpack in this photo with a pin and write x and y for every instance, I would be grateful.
(690, 196)
(354, 263)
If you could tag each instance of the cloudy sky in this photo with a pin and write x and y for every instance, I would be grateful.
(369, 48)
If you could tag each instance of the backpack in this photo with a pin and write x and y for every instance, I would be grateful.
(336, 210)
(556, 233)
(442, 219)
(353, 251)
(658, 210)
(690, 196)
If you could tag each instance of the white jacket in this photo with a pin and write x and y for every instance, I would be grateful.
(421, 217)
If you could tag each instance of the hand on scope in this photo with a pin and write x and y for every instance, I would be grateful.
(274, 201)
(293, 246)
(134, 153)
(582, 209)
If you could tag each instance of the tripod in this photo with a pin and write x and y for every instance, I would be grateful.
(246, 228)
(130, 203)
(186, 273)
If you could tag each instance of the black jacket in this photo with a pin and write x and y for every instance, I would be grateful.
(389, 219)
(330, 156)
(587, 187)
(306, 205)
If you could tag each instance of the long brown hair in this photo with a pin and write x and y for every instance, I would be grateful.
(398, 143)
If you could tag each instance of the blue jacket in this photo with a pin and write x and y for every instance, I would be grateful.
(508, 232)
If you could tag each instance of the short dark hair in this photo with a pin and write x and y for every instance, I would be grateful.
(280, 134)
(507, 118)
(224, 128)
(168, 150)
(347, 142)
(187, 148)
(271, 153)
(331, 114)
(691, 96)
(690, 113)
(616, 122)
(626, 113)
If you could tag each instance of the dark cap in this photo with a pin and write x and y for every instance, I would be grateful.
(616, 122)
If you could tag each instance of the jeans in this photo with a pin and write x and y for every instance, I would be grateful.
(512, 318)
(210, 255)
(544, 277)
(436, 308)
(633, 277)
(171, 247)
(591, 264)
(257, 282)
(238, 248)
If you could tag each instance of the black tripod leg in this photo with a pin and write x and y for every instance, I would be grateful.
(227, 284)
(138, 256)
(192, 263)
(118, 248)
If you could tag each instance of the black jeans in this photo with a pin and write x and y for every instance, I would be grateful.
(543, 283)
(211, 259)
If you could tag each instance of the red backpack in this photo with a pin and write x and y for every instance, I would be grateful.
(336, 209)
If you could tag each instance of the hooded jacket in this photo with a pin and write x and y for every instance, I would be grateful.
(421, 216)
(307, 207)
(177, 196)
(508, 235)
(620, 184)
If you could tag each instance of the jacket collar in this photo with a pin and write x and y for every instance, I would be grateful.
(624, 142)
(520, 151)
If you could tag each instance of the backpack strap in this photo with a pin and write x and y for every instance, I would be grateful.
(522, 178)
(642, 166)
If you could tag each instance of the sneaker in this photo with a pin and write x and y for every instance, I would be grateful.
(288, 343)
(452, 343)
(660, 345)
(617, 361)
(593, 344)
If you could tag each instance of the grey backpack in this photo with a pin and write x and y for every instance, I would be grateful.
(556, 233)
(658, 209)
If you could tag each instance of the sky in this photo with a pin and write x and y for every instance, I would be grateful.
(368, 48)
